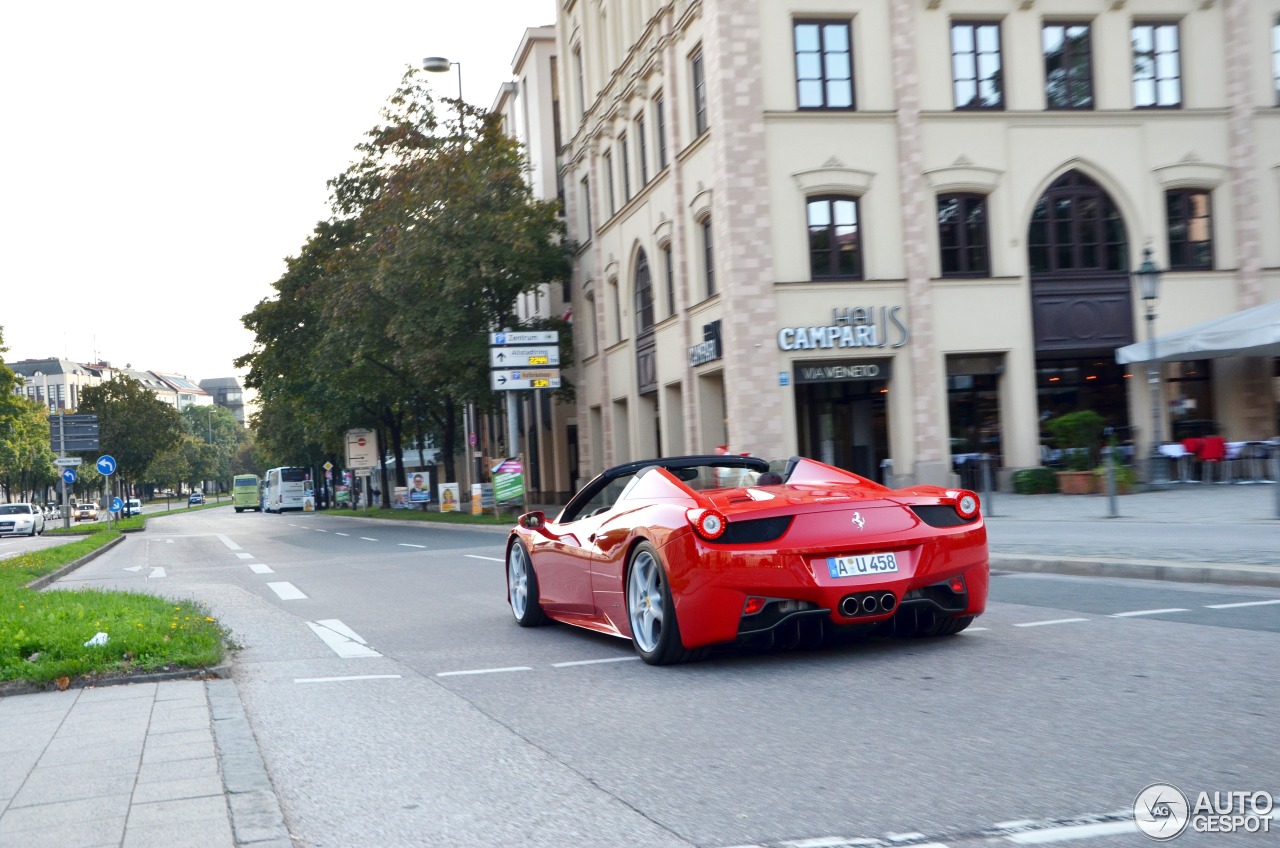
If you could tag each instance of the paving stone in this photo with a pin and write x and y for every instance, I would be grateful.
(173, 753)
(202, 786)
(51, 819)
(77, 782)
(194, 822)
(178, 770)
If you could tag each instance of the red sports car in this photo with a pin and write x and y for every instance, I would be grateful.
(681, 553)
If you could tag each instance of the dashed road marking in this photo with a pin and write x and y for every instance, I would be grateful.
(336, 533)
(1072, 832)
(156, 571)
(593, 662)
(349, 677)
(287, 591)
(367, 539)
(342, 639)
(491, 559)
(483, 671)
(1053, 621)
(243, 555)
(230, 544)
(259, 568)
(1146, 612)
(407, 545)
(1245, 604)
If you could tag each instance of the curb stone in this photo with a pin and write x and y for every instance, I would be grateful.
(1243, 575)
(256, 818)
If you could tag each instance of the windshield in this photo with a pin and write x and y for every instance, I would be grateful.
(15, 509)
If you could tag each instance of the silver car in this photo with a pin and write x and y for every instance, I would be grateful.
(21, 519)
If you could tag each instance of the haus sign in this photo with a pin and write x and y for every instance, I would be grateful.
(856, 327)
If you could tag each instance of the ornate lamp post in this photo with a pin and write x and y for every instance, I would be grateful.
(1147, 276)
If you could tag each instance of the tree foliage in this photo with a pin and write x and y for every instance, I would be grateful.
(382, 319)
(134, 425)
(26, 460)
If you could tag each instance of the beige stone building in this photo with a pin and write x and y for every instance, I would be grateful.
(903, 230)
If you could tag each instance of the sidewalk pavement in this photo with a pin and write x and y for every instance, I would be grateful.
(172, 763)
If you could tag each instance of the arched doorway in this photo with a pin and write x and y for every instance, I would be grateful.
(1078, 253)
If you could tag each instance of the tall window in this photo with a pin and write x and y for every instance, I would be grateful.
(1075, 227)
(1157, 66)
(660, 115)
(699, 95)
(582, 91)
(962, 235)
(1275, 58)
(1190, 219)
(824, 65)
(1068, 71)
(668, 268)
(644, 294)
(708, 257)
(608, 175)
(835, 240)
(586, 204)
(975, 65)
(642, 149)
(626, 168)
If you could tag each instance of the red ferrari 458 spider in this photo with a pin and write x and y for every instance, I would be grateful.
(681, 553)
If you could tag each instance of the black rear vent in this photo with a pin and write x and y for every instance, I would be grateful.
(755, 531)
(941, 515)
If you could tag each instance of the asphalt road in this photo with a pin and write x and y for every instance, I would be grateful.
(396, 703)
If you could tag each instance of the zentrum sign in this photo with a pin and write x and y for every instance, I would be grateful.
(849, 328)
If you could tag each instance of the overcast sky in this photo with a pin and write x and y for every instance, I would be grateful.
(161, 159)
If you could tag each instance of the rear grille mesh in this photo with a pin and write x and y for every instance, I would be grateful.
(939, 515)
(755, 531)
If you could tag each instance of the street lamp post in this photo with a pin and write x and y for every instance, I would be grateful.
(1147, 276)
(441, 65)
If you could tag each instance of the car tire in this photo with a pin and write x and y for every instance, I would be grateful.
(522, 587)
(655, 633)
(32, 534)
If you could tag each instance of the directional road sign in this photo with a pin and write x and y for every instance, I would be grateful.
(69, 475)
(506, 380)
(521, 337)
(522, 357)
(68, 460)
(362, 449)
(106, 465)
(116, 504)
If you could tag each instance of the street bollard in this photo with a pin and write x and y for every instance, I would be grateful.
(1113, 503)
(1275, 474)
(988, 491)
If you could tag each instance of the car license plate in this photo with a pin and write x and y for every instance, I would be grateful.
(862, 565)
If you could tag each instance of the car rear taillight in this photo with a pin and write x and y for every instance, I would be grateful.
(708, 523)
(753, 605)
(967, 505)
(956, 584)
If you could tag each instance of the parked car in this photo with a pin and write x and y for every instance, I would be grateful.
(681, 553)
(133, 506)
(196, 498)
(21, 519)
(87, 511)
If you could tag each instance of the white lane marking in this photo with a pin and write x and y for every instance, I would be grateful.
(318, 530)
(976, 629)
(350, 677)
(156, 571)
(287, 591)
(1010, 825)
(593, 662)
(1066, 834)
(259, 568)
(407, 545)
(491, 559)
(243, 555)
(341, 639)
(336, 533)
(367, 539)
(1054, 621)
(1245, 604)
(483, 671)
(134, 568)
(903, 837)
(1145, 612)
(230, 544)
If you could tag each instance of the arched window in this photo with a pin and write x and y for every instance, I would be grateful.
(1076, 228)
(644, 294)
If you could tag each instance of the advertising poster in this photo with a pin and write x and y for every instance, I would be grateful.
(476, 499)
(448, 497)
(508, 481)
(400, 498)
(419, 487)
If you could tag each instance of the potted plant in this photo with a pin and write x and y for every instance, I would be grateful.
(1077, 434)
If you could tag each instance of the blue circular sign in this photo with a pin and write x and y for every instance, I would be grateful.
(69, 475)
(106, 465)
(116, 504)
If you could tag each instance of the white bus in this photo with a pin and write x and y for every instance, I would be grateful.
(286, 488)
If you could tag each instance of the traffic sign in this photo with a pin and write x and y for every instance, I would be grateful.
(522, 357)
(328, 466)
(117, 504)
(106, 465)
(69, 475)
(534, 337)
(68, 460)
(506, 380)
(362, 449)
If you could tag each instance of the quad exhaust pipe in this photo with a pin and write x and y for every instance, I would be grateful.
(869, 603)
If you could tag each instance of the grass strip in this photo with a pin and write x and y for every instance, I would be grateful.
(43, 634)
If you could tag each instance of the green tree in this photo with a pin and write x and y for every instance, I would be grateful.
(134, 425)
(26, 460)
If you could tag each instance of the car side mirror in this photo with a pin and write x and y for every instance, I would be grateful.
(533, 520)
